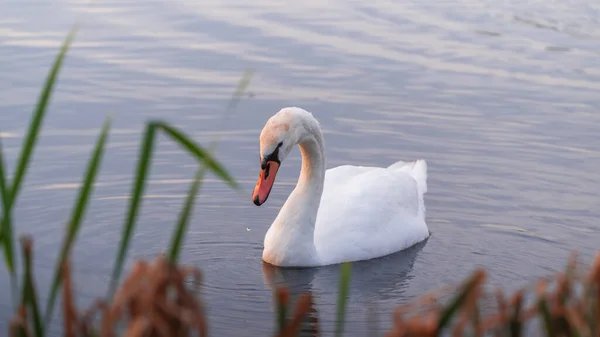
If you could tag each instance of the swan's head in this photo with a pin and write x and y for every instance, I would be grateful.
(277, 139)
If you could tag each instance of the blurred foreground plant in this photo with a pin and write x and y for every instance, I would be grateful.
(156, 299)
(28, 306)
(566, 304)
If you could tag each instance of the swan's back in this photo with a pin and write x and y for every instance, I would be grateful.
(368, 212)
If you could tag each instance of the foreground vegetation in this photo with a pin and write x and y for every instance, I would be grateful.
(156, 299)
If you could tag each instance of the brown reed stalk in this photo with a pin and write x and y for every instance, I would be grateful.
(18, 324)
(152, 301)
(69, 309)
(303, 306)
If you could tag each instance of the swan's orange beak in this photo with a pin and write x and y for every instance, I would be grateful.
(265, 182)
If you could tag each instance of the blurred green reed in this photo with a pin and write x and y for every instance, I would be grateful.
(9, 192)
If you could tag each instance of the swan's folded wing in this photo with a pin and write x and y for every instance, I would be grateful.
(368, 214)
(345, 173)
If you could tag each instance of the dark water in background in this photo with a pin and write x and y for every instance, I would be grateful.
(501, 99)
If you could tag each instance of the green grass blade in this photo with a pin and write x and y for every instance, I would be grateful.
(136, 195)
(449, 312)
(281, 316)
(145, 156)
(177, 238)
(10, 193)
(282, 297)
(6, 230)
(201, 154)
(74, 224)
(6, 225)
(345, 276)
(235, 98)
(547, 319)
(178, 234)
(29, 295)
(239, 90)
(38, 116)
(515, 320)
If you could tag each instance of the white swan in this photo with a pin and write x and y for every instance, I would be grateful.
(347, 213)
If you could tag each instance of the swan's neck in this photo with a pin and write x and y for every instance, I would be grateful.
(312, 176)
(290, 240)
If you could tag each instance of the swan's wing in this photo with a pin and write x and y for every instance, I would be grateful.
(344, 173)
(368, 211)
(353, 190)
(339, 174)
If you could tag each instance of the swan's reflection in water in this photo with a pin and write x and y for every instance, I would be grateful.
(376, 288)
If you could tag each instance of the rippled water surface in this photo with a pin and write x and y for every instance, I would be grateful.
(500, 97)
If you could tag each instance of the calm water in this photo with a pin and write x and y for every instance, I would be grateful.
(501, 99)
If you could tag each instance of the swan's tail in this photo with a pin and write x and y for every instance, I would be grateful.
(418, 170)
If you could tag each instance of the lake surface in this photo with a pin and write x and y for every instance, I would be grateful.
(500, 97)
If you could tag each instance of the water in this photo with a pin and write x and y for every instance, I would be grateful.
(499, 97)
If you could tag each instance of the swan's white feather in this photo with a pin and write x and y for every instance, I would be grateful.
(368, 212)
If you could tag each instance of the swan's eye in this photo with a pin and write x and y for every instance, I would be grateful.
(280, 144)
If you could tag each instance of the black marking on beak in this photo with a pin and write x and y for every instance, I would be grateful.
(274, 156)
(256, 201)
(267, 169)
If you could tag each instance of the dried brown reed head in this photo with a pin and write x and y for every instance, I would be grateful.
(563, 310)
(154, 300)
